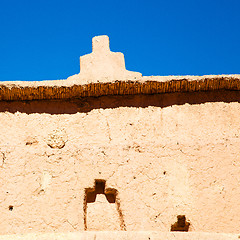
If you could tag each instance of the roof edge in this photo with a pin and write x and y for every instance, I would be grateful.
(65, 89)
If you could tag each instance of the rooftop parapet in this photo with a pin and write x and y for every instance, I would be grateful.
(103, 73)
(102, 65)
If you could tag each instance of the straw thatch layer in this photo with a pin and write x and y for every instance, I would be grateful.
(48, 90)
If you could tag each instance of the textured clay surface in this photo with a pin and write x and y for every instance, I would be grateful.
(179, 156)
(106, 235)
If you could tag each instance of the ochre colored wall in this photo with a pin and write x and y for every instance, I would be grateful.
(178, 156)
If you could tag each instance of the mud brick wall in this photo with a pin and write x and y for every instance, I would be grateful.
(154, 156)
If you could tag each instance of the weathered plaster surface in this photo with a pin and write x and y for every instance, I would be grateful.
(180, 159)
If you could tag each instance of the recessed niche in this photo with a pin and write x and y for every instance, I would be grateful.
(181, 224)
(101, 204)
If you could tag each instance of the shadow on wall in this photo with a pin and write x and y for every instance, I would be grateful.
(87, 104)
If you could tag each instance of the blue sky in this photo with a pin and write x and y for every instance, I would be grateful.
(42, 40)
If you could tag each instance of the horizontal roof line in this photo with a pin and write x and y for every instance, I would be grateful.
(64, 89)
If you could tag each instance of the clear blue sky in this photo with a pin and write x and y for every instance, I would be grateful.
(44, 39)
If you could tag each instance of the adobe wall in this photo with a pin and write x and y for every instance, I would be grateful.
(108, 150)
(166, 155)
